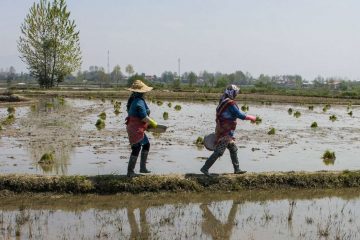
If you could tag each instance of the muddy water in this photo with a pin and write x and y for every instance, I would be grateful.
(68, 130)
(249, 215)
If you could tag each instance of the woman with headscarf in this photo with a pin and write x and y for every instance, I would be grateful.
(227, 112)
(137, 122)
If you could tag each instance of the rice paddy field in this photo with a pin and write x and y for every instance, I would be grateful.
(66, 129)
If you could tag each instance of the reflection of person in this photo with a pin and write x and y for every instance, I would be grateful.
(214, 227)
(137, 122)
(227, 112)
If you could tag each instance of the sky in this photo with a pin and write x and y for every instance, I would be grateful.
(274, 37)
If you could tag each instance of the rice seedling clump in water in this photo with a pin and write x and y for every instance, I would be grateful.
(329, 155)
(297, 114)
(314, 125)
(290, 110)
(166, 115)
(47, 158)
(10, 110)
(272, 131)
(333, 118)
(199, 141)
(102, 116)
(177, 107)
(100, 124)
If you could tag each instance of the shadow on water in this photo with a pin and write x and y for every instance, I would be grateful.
(52, 127)
(243, 215)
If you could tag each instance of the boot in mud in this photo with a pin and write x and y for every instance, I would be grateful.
(209, 162)
(144, 155)
(234, 159)
(131, 167)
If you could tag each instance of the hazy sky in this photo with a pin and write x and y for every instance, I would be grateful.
(306, 37)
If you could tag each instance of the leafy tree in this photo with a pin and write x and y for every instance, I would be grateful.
(167, 77)
(49, 43)
(222, 82)
(116, 74)
(129, 69)
(192, 78)
(136, 77)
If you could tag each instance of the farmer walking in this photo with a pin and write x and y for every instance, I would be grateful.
(227, 112)
(137, 122)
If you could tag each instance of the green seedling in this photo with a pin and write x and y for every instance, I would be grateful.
(333, 118)
(350, 113)
(100, 124)
(102, 116)
(244, 108)
(199, 141)
(314, 125)
(47, 158)
(169, 104)
(177, 107)
(290, 111)
(329, 157)
(159, 103)
(297, 114)
(271, 132)
(165, 115)
(11, 110)
(311, 107)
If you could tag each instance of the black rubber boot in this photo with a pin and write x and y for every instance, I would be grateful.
(131, 166)
(143, 158)
(234, 159)
(209, 162)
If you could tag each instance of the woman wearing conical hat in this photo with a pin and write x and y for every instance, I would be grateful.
(137, 122)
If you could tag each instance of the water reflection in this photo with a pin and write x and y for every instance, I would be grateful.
(52, 126)
(249, 215)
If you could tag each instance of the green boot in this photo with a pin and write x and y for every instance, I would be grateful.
(144, 155)
(131, 166)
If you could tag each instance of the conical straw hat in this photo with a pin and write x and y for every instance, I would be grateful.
(139, 86)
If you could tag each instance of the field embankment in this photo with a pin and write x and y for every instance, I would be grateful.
(111, 184)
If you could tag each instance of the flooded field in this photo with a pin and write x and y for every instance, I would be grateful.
(67, 129)
(313, 214)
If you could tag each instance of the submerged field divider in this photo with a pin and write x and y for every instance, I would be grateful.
(111, 184)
